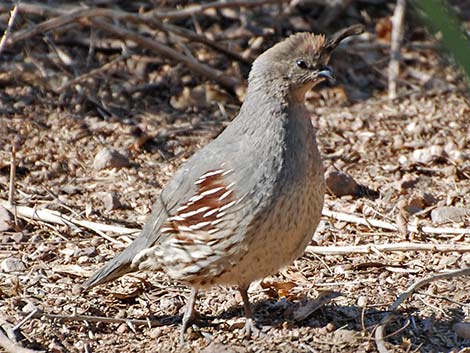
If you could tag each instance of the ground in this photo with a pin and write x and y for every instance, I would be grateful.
(411, 156)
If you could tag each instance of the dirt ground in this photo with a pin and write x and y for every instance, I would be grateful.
(410, 157)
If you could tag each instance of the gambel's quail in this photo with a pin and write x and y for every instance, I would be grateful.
(248, 203)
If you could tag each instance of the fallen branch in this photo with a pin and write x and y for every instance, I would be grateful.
(390, 226)
(93, 72)
(55, 217)
(397, 36)
(379, 332)
(148, 322)
(89, 17)
(217, 76)
(7, 31)
(371, 248)
(197, 9)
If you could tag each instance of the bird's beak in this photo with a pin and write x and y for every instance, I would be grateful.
(327, 73)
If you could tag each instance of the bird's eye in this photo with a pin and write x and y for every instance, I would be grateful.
(302, 64)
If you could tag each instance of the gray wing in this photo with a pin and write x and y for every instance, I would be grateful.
(178, 190)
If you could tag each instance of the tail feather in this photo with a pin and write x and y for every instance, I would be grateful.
(116, 267)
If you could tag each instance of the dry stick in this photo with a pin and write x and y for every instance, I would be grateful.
(66, 17)
(62, 219)
(390, 226)
(369, 248)
(11, 189)
(397, 36)
(98, 319)
(223, 80)
(196, 9)
(93, 72)
(137, 18)
(379, 332)
(7, 32)
(183, 32)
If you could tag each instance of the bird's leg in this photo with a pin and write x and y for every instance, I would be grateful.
(250, 327)
(188, 313)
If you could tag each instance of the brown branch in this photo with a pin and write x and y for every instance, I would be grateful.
(197, 9)
(88, 17)
(183, 32)
(217, 76)
(93, 72)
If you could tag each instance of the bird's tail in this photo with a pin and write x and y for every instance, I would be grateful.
(117, 267)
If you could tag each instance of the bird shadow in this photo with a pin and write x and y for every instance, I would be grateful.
(349, 324)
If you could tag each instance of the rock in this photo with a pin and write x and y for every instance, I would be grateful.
(88, 252)
(428, 155)
(462, 329)
(12, 264)
(71, 189)
(18, 237)
(449, 214)
(5, 219)
(110, 158)
(110, 200)
(29, 308)
(339, 183)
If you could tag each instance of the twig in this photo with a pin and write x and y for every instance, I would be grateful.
(25, 320)
(379, 332)
(397, 36)
(183, 32)
(60, 218)
(369, 248)
(11, 189)
(7, 31)
(89, 17)
(219, 77)
(147, 322)
(93, 72)
(390, 226)
(196, 9)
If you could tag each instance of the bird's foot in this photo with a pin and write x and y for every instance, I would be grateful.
(250, 329)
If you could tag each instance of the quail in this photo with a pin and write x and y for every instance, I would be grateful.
(248, 203)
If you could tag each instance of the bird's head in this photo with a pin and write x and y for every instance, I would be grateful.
(299, 62)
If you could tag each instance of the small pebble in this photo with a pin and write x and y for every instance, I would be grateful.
(12, 264)
(110, 158)
(449, 214)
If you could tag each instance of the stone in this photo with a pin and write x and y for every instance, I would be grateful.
(449, 214)
(340, 183)
(5, 219)
(12, 264)
(110, 158)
